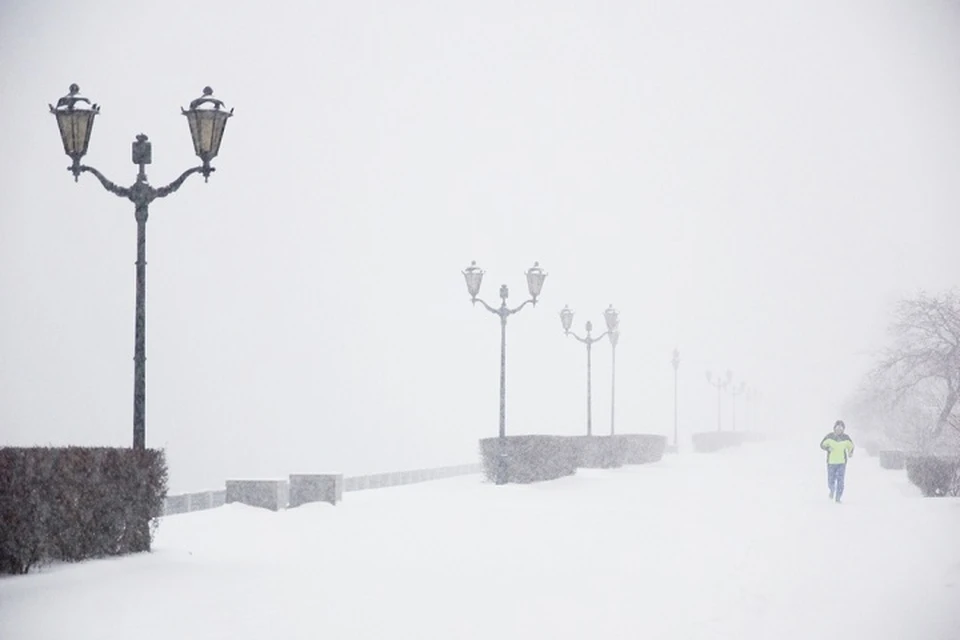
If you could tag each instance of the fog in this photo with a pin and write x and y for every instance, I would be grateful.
(753, 183)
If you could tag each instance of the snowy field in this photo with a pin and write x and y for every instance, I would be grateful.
(742, 544)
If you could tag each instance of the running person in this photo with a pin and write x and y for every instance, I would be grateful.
(839, 448)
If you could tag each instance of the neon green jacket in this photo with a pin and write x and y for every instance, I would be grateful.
(839, 448)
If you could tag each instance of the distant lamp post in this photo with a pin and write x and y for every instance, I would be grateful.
(612, 318)
(473, 275)
(207, 120)
(734, 392)
(676, 368)
(720, 384)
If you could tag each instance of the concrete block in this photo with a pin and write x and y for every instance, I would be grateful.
(315, 487)
(266, 494)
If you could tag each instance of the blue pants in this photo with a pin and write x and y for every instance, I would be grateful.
(835, 475)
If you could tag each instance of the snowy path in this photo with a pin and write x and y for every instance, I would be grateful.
(742, 544)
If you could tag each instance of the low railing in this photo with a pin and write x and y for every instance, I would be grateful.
(202, 500)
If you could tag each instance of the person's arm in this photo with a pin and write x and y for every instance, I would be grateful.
(824, 445)
(850, 448)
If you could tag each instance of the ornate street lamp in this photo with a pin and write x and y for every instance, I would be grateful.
(612, 318)
(720, 384)
(207, 120)
(473, 275)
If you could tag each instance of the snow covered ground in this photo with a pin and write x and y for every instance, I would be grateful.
(741, 544)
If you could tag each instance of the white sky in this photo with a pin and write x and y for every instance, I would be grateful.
(754, 182)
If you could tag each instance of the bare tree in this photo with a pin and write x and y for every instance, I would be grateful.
(924, 361)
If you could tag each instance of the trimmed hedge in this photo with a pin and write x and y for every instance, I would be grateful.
(598, 452)
(76, 503)
(710, 441)
(524, 459)
(537, 458)
(641, 448)
(935, 475)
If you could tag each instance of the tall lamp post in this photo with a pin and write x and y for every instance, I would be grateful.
(676, 367)
(474, 277)
(207, 120)
(720, 384)
(734, 392)
(612, 318)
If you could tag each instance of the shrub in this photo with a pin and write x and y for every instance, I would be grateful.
(524, 459)
(598, 452)
(935, 475)
(76, 503)
(641, 448)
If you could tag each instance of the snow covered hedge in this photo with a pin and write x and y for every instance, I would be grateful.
(641, 448)
(76, 503)
(528, 458)
(598, 452)
(538, 458)
(936, 475)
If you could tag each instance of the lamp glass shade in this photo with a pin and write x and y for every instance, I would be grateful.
(206, 130)
(75, 123)
(474, 277)
(75, 128)
(207, 119)
(535, 277)
(612, 317)
(566, 318)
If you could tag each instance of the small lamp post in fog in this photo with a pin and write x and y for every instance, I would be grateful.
(474, 277)
(676, 368)
(612, 318)
(734, 392)
(720, 384)
(207, 120)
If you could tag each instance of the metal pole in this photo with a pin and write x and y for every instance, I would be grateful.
(502, 458)
(503, 376)
(613, 391)
(139, 349)
(589, 398)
